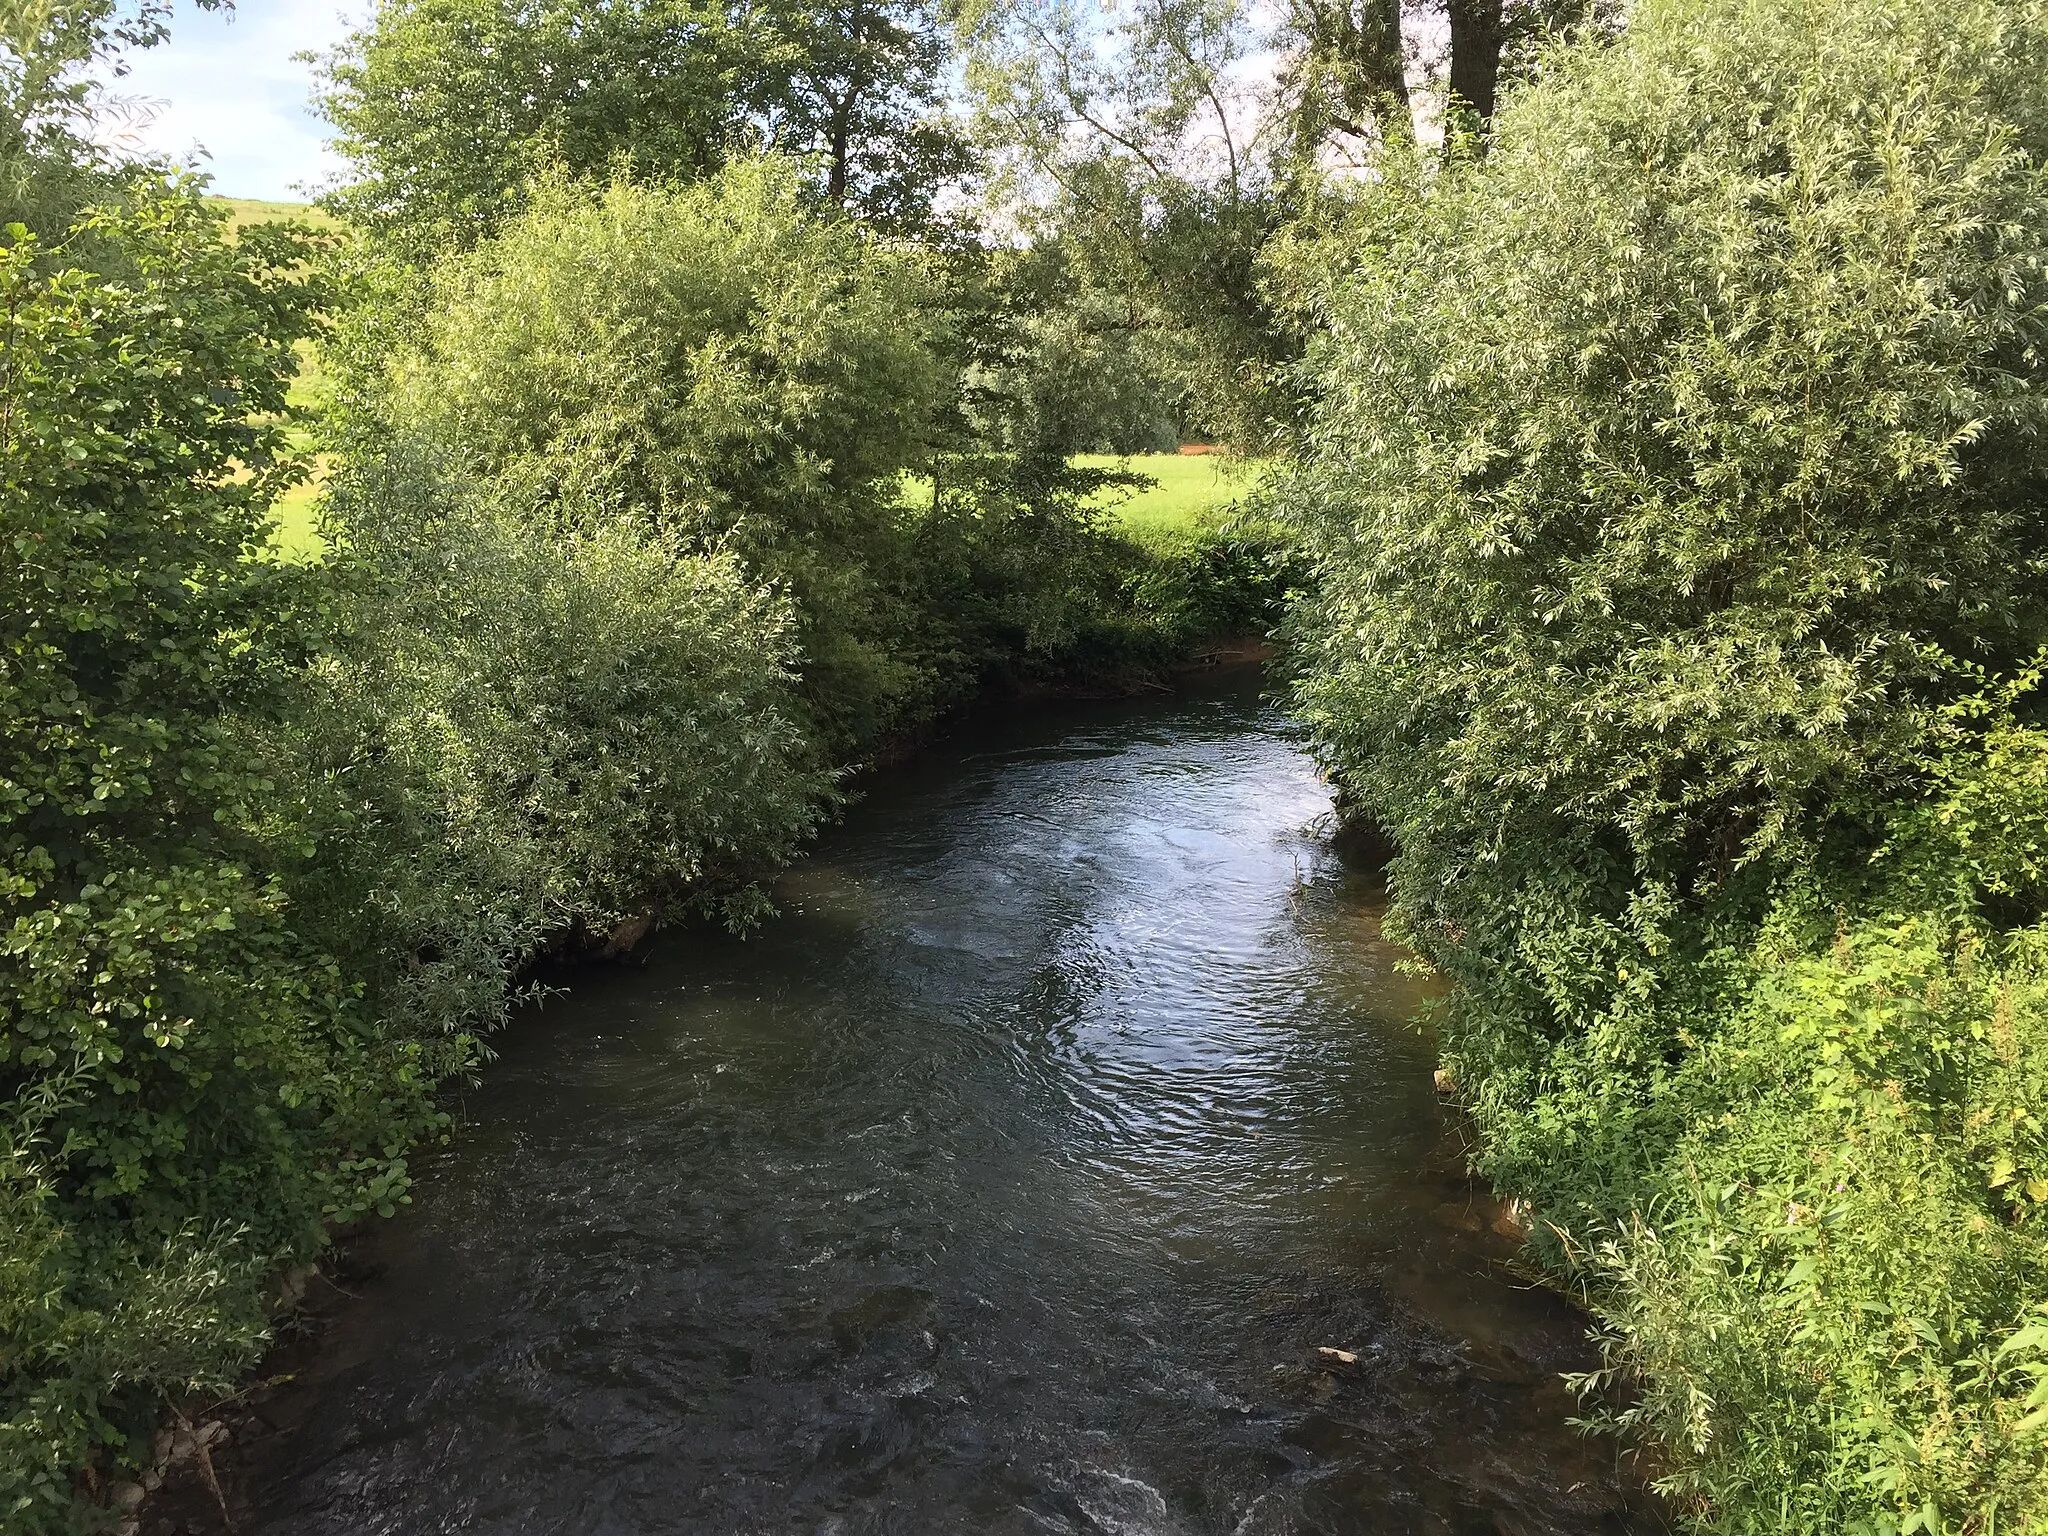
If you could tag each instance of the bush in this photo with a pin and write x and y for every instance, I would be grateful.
(1206, 581)
(739, 376)
(714, 366)
(1827, 1294)
(1672, 472)
(185, 1081)
(530, 732)
(276, 841)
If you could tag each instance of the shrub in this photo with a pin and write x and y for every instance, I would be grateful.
(185, 1082)
(531, 730)
(1207, 581)
(719, 368)
(1660, 465)
(278, 840)
(742, 377)
(1828, 1294)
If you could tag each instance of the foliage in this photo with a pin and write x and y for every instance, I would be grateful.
(1659, 464)
(1130, 147)
(57, 114)
(742, 377)
(1232, 578)
(186, 1082)
(448, 108)
(1160, 147)
(1356, 75)
(1828, 1297)
(445, 105)
(1058, 366)
(1182, 264)
(529, 729)
(861, 87)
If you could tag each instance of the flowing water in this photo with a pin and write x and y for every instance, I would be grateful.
(1010, 1181)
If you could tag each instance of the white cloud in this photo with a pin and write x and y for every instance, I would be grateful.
(226, 84)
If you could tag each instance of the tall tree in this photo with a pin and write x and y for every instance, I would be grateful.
(1347, 70)
(1133, 137)
(447, 107)
(861, 86)
(1159, 136)
(1357, 73)
(59, 62)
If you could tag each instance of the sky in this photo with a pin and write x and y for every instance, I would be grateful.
(226, 83)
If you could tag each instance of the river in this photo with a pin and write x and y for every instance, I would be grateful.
(1010, 1181)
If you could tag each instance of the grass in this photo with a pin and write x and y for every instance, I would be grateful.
(296, 531)
(1192, 491)
(296, 535)
(252, 210)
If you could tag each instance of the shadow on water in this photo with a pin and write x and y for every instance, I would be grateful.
(1010, 1181)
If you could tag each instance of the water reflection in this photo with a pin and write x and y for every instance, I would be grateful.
(1008, 1182)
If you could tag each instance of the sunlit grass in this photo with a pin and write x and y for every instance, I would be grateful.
(295, 532)
(250, 210)
(295, 515)
(1193, 490)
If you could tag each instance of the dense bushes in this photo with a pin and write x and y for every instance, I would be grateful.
(527, 735)
(185, 1082)
(1674, 482)
(711, 363)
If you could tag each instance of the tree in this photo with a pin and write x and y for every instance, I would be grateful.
(185, 1082)
(742, 375)
(1136, 145)
(1162, 140)
(1358, 73)
(449, 108)
(56, 60)
(861, 86)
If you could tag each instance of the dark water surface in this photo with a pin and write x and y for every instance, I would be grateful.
(1007, 1183)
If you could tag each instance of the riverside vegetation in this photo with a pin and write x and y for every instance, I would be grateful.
(1676, 482)
(1658, 461)
(620, 582)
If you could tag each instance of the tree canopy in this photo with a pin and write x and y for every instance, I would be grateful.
(447, 108)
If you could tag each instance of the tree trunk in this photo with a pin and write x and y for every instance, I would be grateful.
(1358, 57)
(836, 176)
(1382, 65)
(1476, 37)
